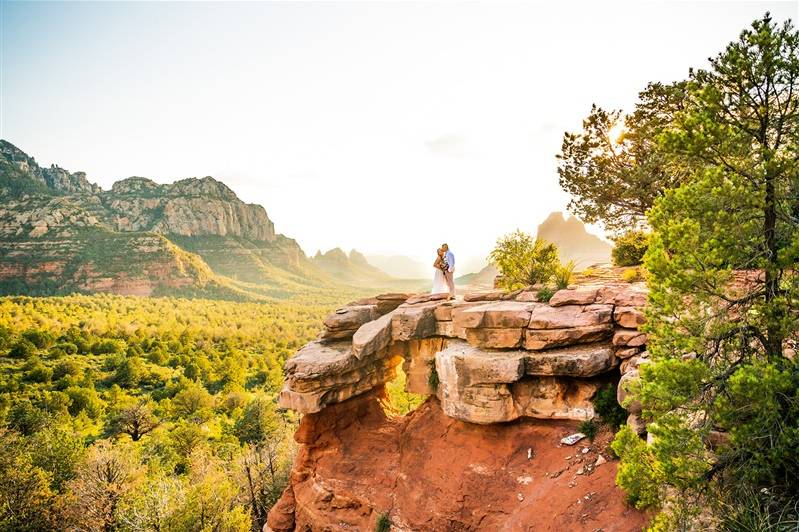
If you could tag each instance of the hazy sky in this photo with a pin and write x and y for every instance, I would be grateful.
(384, 127)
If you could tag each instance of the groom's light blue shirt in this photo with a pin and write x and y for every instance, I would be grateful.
(450, 260)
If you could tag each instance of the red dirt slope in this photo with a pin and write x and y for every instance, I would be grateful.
(429, 472)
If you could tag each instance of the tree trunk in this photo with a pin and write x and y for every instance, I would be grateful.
(773, 335)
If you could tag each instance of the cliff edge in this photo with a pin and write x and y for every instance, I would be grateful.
(508, 377)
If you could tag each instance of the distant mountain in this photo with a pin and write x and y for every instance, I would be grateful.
(60, 233)
(401, 266)
(574, 242)
(478, 280)
(352, 269)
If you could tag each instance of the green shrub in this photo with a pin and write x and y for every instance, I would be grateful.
(41, 339)
(563, 275)
(631, 276)
(635, 476)
(523, 261)
(751, 510)
(107, 347)
(432, 379)
(22, 349)
(67, 367)
(589, 428)
(629, 248)
(383, 523)
(544, 294)
(84, 400)
(607, 407)
(129, 372)
(67, 347)
(38, 372)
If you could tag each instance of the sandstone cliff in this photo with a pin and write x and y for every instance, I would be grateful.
(60, 233)
(507, 377)
(574, 242)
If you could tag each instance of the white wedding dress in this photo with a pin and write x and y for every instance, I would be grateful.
(439, 283)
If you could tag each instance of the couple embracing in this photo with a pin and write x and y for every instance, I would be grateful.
(444, 278)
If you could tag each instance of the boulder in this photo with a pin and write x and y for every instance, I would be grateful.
(447, 328)
(635, 422)
(576, 296)
(472, 402)
(607, 294)
(474, 366)
(502, 314)
(373, 336)
(419, 361)
(443, 312)
(627, 352)
(623, 392)
(330, 335)
(388, 302)
(413, 321)
(555, 397)
(583, 361)
(628, 317)
(629, 337)
(569, 316)
(527, 296)
(488, 295)
(426, 298)
(323, 373)
(537, 339)
(495, 338)
(351, 317)
(632, 295)
(488, 386)
(633, 362)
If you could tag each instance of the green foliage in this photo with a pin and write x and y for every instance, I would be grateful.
(742, 512)
(724, 291)
(107, 386)
(22, 349)
(629, 248)
(614, 168)
(129, 372)
(563, 274)
(383, 523)
(399, 401)
(258, 422)
(544, 294)
(632, 275)
(589, 428)
(25, 494)
(108, 346)
(607, 407)
(41, 339)
(524, 261)
(432, 379)
(636, 474)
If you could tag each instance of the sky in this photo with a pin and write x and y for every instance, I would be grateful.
(385, 127)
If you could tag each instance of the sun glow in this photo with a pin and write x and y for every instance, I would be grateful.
(616, 132)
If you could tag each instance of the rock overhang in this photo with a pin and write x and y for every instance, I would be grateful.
(497, 356)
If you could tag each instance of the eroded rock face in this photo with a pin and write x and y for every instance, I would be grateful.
(492, 386)
(432, 473)
(487, 366)
(324, 373)
(576, 339)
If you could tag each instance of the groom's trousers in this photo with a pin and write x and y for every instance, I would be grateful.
(450, 278)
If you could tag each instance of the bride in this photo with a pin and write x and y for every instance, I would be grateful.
(439, 281)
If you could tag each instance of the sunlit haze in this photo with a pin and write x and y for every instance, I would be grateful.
(388, 128)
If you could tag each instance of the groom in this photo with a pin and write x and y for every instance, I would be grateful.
(449, 273)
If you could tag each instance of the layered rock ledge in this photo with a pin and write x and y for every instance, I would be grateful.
(489, 358)
(508, 377)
